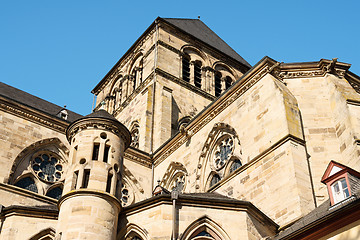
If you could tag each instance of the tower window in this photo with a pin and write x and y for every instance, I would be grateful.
(340, 190)
(134, 79)
(186, 69)
(106, 153)
(217, 84)
(86, 178)
(96, 148)
(228, 82)
(197, 74)
(75, 178)
(108, 183)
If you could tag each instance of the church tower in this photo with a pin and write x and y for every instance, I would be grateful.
(90, 204)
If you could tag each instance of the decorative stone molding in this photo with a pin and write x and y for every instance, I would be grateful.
(33, 147)
(99, 123)
(175, 169)
(33, 116)
(135, 155)
(169, 47)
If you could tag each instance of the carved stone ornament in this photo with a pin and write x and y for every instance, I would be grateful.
(99, 123)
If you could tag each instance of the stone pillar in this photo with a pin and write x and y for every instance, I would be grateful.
(192, 75)
(90, 205)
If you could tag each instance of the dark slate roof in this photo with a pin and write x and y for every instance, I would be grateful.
(34, 102)
(317, 215)
(101, 114)
(199, 30)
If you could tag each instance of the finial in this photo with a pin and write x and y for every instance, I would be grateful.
(199, 17)
(64, 106)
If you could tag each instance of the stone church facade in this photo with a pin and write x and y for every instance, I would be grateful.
(187, 141)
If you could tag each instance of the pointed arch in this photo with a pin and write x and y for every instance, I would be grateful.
(174, 176)
(52, 144)
(45, 234)
(204, 224)
(129, 189)
(191, 51)
(221, 132)
(132, 230)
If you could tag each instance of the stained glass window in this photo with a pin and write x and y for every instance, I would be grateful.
(215, 179)
(47, 167)
(235, 165)
(27, 183)
(223, 152)
(55, 193)
(203, 234)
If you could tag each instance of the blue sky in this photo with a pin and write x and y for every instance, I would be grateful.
(59, 50)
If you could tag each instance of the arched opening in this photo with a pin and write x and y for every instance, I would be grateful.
(217, 84)
(27, 183)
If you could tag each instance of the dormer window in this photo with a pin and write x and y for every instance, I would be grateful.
(341, 182)
(63, 114)
(340, 190)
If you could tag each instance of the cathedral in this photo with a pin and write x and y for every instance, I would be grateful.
(187, 140)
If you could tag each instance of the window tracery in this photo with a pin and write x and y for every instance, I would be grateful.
(27, 183)
(135, 134)
(47, 167)
(223, 152)
(39, 168)
(220, 156)
(175, 177)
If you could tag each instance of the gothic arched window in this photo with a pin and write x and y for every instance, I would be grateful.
(55, 192)
(235, 165)
(217, 84)
(215, 179)
(197, 74)
(186, 69)
(228, 82)
(135, 135)
(27, 183)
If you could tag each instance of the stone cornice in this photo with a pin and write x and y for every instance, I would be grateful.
(137, 156)
(310, 69)
(89, 192)
(33, 115)
(28, 211)
(197, 200)
(99, 123)
(27, 193)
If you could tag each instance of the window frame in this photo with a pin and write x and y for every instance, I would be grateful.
(331, 183)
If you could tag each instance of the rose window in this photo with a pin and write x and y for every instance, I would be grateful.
(47, 167)
(223, 152)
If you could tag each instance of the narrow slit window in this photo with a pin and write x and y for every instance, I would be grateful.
(186, 69)
(197, 75)
(108, 183)
(217, 84)
(106, 153)
(228, 82)
(86, 178)
(96, 148)
(75, 178)
(134, 80)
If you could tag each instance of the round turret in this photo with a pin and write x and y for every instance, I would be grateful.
(90, 204)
